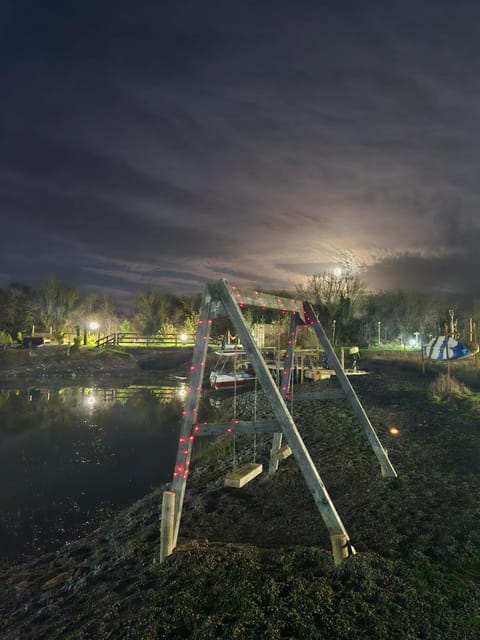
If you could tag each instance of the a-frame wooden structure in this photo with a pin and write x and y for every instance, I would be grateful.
(220, 299)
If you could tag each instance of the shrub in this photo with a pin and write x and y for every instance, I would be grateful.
(58, 336)
(5, 337)
(446, 386)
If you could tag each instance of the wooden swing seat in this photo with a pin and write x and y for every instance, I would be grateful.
(284, 452)
(243, 475)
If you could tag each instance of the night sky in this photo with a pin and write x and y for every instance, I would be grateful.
(175, 143)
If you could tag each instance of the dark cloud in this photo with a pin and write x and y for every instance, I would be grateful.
(455, 273)
(171, 144)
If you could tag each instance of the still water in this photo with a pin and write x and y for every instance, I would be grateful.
(71, 456)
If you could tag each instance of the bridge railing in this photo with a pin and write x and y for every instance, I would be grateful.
(141, 340)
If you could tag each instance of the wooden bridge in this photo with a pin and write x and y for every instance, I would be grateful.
(141, 340)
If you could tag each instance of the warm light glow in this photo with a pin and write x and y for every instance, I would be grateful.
(90, 401)
(183, 337)
(182, 392)
(94, 325)
(393, 431)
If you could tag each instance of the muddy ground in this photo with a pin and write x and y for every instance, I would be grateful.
(76, 366)
(256, 562)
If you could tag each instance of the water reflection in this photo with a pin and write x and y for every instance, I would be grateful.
(70, 455)
(90, 396)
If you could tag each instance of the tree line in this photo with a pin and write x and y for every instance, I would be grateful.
(59, 309)
(354, 315)
(349, 312)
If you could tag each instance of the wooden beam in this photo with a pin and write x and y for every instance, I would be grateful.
(167, 524)
(289, 429)
(387, 468)
(237, 427)
(190, 413)
(340, 548)
(251, 298)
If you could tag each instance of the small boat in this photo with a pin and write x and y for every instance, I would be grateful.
(231, 370)
(446, 348)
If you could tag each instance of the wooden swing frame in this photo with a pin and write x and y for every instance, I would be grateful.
(221, 300)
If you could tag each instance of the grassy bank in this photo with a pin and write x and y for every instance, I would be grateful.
(255, 563)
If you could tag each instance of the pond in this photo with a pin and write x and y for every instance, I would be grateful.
(71, 456)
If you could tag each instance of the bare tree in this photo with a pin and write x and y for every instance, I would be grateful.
(58, 302)
(335, 297)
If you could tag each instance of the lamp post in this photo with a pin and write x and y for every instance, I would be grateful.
(451, 313)
(94, 326)
(379, 331)
(334, 322)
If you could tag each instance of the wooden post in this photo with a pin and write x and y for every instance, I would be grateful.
(286, 378)
(274, 449)
(385, 464)
(190, 412)
(167, 524)
(340, 548)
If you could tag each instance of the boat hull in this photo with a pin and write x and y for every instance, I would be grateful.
(225, 381)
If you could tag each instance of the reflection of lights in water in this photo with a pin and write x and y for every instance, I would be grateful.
(182, 392)
(393, 431)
